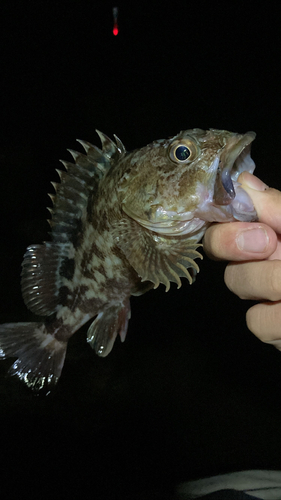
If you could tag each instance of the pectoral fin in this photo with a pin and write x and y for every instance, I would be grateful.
(159, 259)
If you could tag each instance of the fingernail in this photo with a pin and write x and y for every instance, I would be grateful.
(253, 182)
(253, 240)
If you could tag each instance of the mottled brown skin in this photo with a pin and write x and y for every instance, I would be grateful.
(154, 172)
(137, 180)
(116, 231)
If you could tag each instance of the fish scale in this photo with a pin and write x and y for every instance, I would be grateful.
(121, 224)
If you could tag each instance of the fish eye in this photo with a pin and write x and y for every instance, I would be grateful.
(183, 151)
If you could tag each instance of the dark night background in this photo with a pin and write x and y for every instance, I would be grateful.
(191, 392)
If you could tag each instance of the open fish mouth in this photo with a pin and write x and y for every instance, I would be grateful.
(235, 159)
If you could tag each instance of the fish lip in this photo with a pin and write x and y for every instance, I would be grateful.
(234, 159)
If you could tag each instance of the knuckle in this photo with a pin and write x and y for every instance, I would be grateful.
(211, 242)
(264, 321)
(255, 322)
(230, 279)
(249, 321)
(274, 280)
(234, 278)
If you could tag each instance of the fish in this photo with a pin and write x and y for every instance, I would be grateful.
(122, 223)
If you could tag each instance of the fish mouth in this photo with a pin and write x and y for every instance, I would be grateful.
(234, 159)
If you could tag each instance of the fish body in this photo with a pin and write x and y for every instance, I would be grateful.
(122, 223)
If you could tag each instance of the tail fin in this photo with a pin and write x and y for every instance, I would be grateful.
(40, 355)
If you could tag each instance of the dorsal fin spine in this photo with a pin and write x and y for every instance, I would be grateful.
(109, 148)
(65, 176)
(55, 185)
(59, 172)
(52, 196)
(120, 146)
(73, 153)
(96, 156)
(86, 145)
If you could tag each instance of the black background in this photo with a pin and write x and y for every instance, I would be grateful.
(191, 392)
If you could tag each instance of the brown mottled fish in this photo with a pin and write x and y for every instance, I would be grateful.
(122, 223)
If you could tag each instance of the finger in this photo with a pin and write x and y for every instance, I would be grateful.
(277, 253)
(255, 280)
(264, 320)
(239, 241)
(267, 202)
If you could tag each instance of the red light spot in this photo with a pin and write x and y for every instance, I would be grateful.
(115, 29)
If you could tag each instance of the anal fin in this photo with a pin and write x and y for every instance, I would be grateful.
(106, 326)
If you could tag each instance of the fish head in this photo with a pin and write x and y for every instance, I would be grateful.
(180, 185)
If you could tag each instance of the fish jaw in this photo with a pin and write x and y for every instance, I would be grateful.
(229, 201)
(222, 199)
(234, 159)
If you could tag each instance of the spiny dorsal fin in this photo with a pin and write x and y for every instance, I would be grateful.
(78, 184)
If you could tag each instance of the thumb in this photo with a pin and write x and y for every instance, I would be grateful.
(267, 201)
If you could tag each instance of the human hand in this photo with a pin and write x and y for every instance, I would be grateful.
(254, 249)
